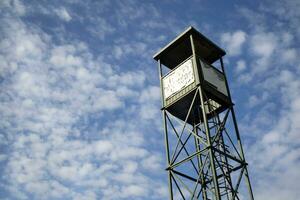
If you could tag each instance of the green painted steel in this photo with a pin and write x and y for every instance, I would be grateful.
(204, 153)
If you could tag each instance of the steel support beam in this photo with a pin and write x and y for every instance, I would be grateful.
(166, 135)
(237, 132)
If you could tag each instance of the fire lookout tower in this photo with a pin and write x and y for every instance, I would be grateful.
(203, 146)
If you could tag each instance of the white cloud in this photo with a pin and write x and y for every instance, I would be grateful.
(130, 167)
(245, 78)
(240, 66)
(263, 44)
(75, 124)
(49, 95)
(63, 56)
(3, 157)
(255, 100)
(152, 163)
(123, 48)
(134, 79)
(268, 50)
(134, 191)
(289, 55)
(100, 28)
(152, 93)
(149, 100)
(63, 14)
(233, 42)
(16, 6)
(103, 146)
(272, 121)
(276, 127)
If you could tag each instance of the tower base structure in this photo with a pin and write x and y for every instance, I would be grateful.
(205, 156)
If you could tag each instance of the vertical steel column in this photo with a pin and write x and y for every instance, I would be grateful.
(227, 176)
(194, 59)
(205, 121)
(166, 133)
(237, 133)
(200, 164)
(211, 154)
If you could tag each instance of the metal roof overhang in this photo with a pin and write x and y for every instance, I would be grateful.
(180, 49)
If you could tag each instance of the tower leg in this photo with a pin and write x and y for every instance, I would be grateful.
(237, 133)
(168, 155)
(200, 164)
(166, 135)
(211, 155)
(242, 154)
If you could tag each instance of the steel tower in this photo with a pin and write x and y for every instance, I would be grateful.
(205, 158)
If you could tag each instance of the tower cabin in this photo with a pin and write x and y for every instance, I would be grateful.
(187, 64)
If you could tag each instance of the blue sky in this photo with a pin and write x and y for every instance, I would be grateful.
(80, 101)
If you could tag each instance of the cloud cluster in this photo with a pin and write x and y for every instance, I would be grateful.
(63, 14)
(233, 42)
(52, 95)
(272, 70)
(80, 98)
